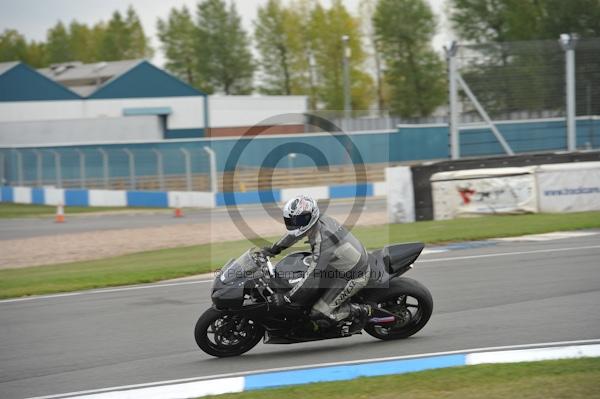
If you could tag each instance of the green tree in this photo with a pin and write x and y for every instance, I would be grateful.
(36, 54)
(82, 42)
(300, 41)
(224, 59)
(482, 21)
(178, 35)
(327, 27)
(415, 73)
(58, 44)
(14, 47)
(367, 9)
(124, 38)
(272, 44)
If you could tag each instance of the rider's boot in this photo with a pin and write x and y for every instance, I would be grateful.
(359, 316)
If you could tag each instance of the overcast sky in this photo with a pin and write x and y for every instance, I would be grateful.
(33, 17)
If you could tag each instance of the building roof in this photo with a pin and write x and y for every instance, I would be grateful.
(18, 82)
(6, 66)
(118, 79)
(86, 78)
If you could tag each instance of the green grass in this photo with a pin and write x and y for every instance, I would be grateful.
(569, 379)
(150, 266)
(13, 211)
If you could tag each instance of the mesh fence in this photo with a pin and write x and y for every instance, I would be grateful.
(587, 77)
(526, 80)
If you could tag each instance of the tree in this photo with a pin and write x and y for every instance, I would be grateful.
(138, 43)
(327, 27)
(224, 59)
(14, 47)
(57, 44)
(272, 44)
(415, 73)
(123, 38)
(482, 21)
(367, 9)
(178, 35)
(82, 43)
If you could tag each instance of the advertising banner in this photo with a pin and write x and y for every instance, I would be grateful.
(569, 187)
(483, 191)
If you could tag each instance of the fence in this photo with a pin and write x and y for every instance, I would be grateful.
(185, 165)
(128, 167)
(546, 78)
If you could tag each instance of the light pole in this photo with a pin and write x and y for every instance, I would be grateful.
(451, 50)
(291, 158)
(347, 105)
(568, 43)
(311, 78)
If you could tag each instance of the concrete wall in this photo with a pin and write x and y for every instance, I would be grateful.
(188, 112)
(252, 110)
(81, 131)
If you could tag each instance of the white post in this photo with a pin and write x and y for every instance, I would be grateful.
(19, 167)
(39, 160)
(568, 43)
(188, 168)
(451, 51)
(131, 167)
(213, 169)
(57, 168)
(160, 169)
(81, 168)
(346, 71)
(104, 166)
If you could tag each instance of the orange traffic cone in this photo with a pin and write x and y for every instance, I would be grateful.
(60, 214)
(178, 211)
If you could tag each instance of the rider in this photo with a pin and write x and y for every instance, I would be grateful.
(337, 271)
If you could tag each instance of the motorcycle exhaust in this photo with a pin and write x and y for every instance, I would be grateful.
(382, 320)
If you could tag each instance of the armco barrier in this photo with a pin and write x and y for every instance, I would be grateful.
(342, 371)
(174, 199)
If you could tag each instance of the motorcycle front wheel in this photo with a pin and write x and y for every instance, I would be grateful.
(223, 334)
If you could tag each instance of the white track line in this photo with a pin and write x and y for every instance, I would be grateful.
(536, 251)
(104, 291)
(349, 362)
(142, 287)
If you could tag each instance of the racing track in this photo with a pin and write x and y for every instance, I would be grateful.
(505, 294)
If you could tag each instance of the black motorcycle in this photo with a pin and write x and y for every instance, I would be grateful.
(243, 314)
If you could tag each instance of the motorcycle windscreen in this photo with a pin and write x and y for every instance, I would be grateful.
(241, 268)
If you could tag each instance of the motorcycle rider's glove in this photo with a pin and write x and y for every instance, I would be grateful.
(271, 251)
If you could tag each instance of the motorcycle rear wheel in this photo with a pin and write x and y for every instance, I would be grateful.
(223, 334)
(412, 304)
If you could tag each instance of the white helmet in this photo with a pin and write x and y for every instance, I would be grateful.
(300, 214)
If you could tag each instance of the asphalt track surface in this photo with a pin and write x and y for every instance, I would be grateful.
(11, 229)
(506, 294)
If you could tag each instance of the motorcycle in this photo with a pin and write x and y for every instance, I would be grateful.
(242, 313)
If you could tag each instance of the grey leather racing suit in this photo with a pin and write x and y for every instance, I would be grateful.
(338, 269)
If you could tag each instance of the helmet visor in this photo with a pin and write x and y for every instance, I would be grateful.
(296, 222)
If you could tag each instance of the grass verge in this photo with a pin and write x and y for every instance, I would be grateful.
(573, 379)
(150, 266)
(15, 211)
